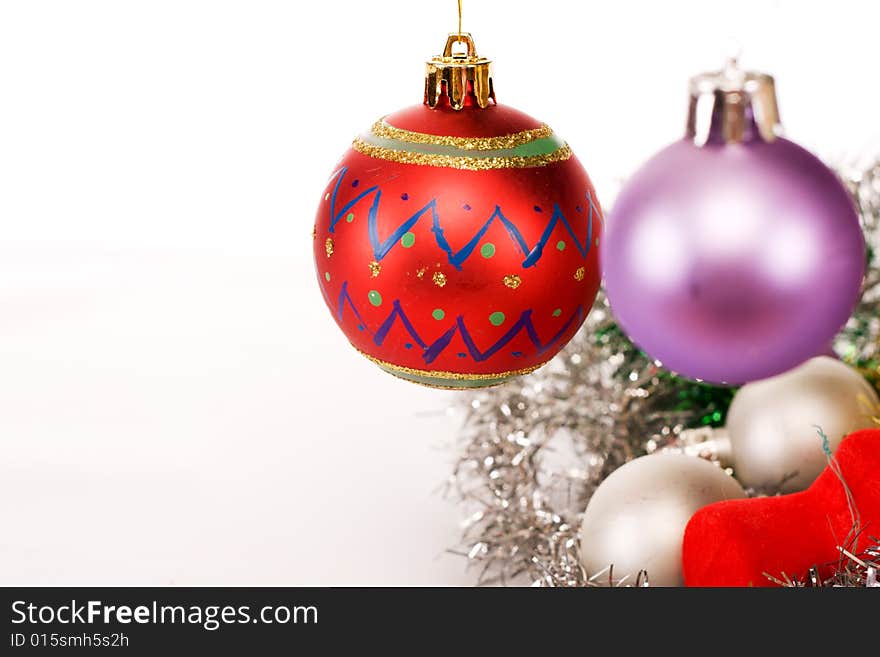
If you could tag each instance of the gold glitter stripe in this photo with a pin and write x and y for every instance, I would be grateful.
(461, 162)
(382, 129)
(455, 376)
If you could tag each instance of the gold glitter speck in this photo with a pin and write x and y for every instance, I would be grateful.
(328, 246)
(512, 281)
(375, 268)
(439, 278)
(579, 274)
(420, 273)
(315, 231)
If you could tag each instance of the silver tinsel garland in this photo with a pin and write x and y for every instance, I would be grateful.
(534, 450)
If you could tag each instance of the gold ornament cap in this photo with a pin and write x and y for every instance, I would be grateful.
(458, 74)
(731, 106)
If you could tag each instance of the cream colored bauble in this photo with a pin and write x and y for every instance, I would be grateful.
(636, 518)
(773, 425)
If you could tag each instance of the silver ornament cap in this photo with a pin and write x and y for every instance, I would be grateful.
(732, 106)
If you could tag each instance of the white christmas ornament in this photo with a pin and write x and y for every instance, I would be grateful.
(636, 518)
(773, 425)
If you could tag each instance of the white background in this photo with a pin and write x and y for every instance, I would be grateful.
(176, 404)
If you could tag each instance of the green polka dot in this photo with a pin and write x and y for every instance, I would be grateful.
(557, 312)
(560, 245)
(375, 298)
(327, 276)
(487, 250)
(438, 314)
(349, 217)
(496, 318)
(408, 240)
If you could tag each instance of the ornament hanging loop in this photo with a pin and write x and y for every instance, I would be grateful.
(468, 41)
(459, 77)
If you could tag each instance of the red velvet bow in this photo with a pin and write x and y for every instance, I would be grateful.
(734, 543)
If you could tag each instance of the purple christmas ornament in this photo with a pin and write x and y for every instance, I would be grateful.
(733, 255)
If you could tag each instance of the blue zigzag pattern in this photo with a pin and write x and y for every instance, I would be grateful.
(381, 247)
(434, 349)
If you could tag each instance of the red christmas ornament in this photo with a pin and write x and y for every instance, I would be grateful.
(457, 242)
(734, 543)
